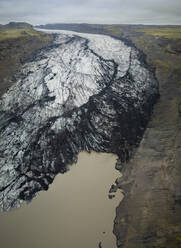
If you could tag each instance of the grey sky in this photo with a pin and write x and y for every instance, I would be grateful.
(91, 11)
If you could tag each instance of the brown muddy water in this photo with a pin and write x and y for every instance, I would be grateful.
(74, 213)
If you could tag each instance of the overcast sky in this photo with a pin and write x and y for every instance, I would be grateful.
(91, 11)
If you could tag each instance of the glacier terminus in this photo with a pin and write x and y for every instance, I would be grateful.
(82, 92)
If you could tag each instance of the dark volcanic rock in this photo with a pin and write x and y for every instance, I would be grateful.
(86, 92)
(150, 213)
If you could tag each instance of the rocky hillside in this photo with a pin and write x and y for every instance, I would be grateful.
(18, 42)
(150, 214)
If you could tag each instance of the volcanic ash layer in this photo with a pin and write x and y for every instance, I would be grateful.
(84, 92)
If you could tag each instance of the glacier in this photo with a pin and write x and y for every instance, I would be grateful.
(82, 92)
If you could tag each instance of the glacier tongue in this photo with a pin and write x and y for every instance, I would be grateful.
(84, 92)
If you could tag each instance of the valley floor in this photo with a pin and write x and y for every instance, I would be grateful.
(150, 214)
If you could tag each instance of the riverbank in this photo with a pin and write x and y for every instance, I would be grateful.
(150, 214)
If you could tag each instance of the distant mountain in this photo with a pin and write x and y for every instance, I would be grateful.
(103, 28)
(78, 27)
(18, 25)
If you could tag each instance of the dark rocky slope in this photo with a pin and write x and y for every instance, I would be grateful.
(150, 214)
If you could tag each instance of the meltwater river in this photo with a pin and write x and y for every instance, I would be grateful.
(74, 212)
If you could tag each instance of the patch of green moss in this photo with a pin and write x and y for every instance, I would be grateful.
(172, 33)
(24, 32)
(113, 30)
(179, 238)
(174, 241)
